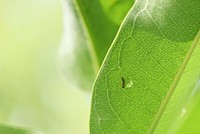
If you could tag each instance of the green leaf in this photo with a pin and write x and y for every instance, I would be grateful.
(82, 49)
(4, 129)
(115, 10)
(150, 70)
(102, 19)
(75, 61)
(191, 124)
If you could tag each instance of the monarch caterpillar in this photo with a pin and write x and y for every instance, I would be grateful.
(123, 82)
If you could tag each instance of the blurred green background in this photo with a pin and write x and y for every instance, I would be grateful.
(32, 91)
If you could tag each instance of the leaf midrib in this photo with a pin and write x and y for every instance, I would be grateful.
(174, 84)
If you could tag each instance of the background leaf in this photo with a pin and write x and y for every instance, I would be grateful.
(100, 24)
(15, 130)
(115, 10)
(150, 70)
(89, 31)
(191, 123)
(75, 62)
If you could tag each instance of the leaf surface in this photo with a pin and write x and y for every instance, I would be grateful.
(150, 69)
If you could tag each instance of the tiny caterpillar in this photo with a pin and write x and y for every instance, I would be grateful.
(123, 82)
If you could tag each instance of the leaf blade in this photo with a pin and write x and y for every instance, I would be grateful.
(148, 51)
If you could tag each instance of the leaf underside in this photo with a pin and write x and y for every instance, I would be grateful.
(156, 52)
